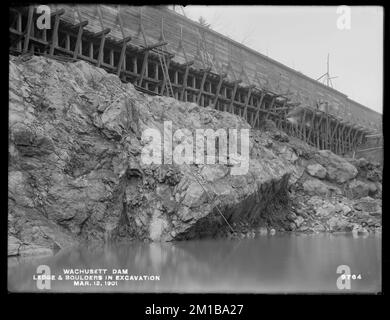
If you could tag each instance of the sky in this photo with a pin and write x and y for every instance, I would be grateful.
(302, 36)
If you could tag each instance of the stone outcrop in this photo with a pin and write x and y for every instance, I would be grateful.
(76, 173)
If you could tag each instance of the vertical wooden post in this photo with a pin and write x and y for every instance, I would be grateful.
(91, 50)
(101, 47)
(163, 86)
(270, 107)
(79, 38)
(303, 125)
(143, 68)
(184, 87)
(221, 77)
(259, 107)
(340, 138)
(354, 140)
(348, 138)
(123, 55)
(28, 28)
(202, 85)
(310, 139)
(245, 115)
(333, 139)
(231, 110)
(54, 37)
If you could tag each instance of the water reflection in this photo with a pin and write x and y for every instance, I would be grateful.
(283, 263)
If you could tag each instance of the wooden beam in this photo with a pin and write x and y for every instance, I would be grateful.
(28, 28)
(101, 47)
(279, 119)
(311, 127)
(54, 38)
(319, 131)
(221, 77)
(370, 149)
(153, 46)
(123, 54)
(349, 138)
(332, 138)
(271, 106)
(79, 38)
(259, 105)
(303, 125)
(144, 63)
(205, 72)
(245, 116)
(103, 32)
(341, 140)
(234, 95)
(183, 90)
(163, 85)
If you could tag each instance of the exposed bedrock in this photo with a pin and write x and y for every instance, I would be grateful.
(76, 171)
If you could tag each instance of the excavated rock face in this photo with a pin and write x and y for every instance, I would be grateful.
(338, 169)
(76, 170)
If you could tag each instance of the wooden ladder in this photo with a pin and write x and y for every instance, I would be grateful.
(164, 68)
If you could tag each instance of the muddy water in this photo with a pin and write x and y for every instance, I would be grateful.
(280, 263)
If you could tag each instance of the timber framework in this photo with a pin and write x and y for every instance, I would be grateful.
(144, 46)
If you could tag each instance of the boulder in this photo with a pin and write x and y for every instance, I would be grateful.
(360, 189)
(339, 224)
(317, 187)
(316, 170)
(338, 169)
(214, 172)
(326, 209)
(369, 205)
(195, 195)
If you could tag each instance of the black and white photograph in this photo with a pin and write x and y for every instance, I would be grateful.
(228, 149)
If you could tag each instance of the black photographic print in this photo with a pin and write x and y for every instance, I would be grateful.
(195, 149)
